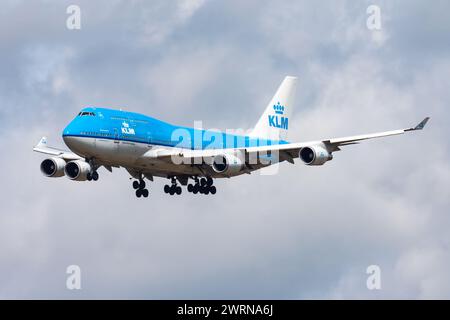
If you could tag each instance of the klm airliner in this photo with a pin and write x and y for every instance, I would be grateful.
(191, 157)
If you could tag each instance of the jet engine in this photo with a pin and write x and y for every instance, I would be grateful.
(315, 155)
(77, 170)
(227, 164)
(53, 167)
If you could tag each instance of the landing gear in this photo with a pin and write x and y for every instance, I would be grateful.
(173, 188)
(142, 193)
(203, 186)
(139, 186)
(92, 176)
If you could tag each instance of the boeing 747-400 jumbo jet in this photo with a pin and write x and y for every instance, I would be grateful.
(148, 148)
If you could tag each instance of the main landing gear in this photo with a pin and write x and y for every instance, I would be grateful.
(139, 186)
(203, 186)
(173, 188)
(200, 185)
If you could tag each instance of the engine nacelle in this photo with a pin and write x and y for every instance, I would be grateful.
(53, 167)
(227, 164)
(77, 170)
(315, 155)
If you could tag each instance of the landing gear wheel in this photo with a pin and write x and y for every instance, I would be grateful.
(166, 189)
(209, 181)
(138, 193)
(196, 189)
(89, 177)
(178, 190)
(135, 184)
(171, 191)
(141, 184)
(95, 175)
(145, 193)
(213, 190)
(203, 182)
(190, 187)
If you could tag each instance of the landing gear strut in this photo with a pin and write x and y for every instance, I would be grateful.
(203, 186)
(139, 186)
(173, 188)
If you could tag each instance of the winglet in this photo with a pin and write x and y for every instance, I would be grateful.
(422, 124)
(42, 142)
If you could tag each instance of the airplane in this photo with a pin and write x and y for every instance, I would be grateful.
(193, 157)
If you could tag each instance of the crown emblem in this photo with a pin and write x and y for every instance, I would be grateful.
(279, 109)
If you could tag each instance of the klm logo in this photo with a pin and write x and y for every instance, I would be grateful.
(277, 120)
(126, 129)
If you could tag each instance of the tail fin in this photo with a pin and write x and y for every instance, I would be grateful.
(274, 122)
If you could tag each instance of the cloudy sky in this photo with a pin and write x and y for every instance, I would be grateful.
(304, 232)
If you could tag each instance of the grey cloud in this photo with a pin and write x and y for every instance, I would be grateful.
(302, 233)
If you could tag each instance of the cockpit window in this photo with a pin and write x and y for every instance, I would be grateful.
(84, 113)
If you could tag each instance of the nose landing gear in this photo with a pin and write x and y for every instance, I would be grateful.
(92, 176)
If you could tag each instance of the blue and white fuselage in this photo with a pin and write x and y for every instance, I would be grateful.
(121, 138)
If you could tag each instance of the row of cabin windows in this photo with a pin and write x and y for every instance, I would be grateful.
(127, 119)
(100, 134)
(92, 114)
(104, 134)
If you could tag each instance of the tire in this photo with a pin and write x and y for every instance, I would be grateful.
(213, 190)
(142, 184)
(178, 190)
(209, 181)
(190, 187)
(172, 191)
(138, 193)
(203, 182)
(145, 193)
(196, 189)
(89, 177)
(135, 185)
(166, 189)
(95, 175)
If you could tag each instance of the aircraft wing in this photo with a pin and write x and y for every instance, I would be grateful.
(333, 144)
(286, 151)
(43, 148)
